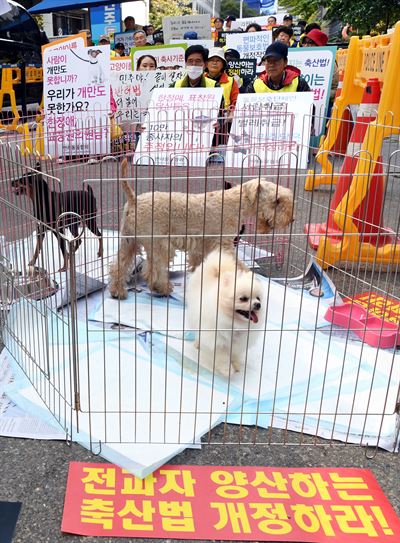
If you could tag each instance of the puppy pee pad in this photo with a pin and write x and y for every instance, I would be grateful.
(133, 409)
(310, 382)
(286, 309)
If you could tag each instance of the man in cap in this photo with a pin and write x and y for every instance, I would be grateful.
(288, 20)
(195, 63)
(216, 65)
(278, 75)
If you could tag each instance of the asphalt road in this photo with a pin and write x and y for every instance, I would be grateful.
(35, 473)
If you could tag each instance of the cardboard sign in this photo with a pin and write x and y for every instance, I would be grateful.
(168, 57)
(127, 39)
(246, 21)
(250, 44)
(132, 90)
(270, 129)
(76, 94)
(246, 68)
(229, 504)
(179, 126)
(175, 27)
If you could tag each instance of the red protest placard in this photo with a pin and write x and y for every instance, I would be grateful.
(229, 503)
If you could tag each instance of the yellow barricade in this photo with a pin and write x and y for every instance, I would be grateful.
(364, 59)
(9, 78)
(351, 248)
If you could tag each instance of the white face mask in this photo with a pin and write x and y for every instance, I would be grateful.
(194, 72)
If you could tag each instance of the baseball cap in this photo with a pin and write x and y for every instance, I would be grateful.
(216, 52)
(104, 37)
(119, 45)
(277, 50)
(230, 18)
(190, 35)
(317, 36)
(288, 18)
(232, 53)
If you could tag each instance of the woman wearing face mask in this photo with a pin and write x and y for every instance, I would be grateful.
(146, 63)
(215, 70)
(195, 60)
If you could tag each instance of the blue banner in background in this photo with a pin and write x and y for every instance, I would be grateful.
(269, 7)
(105, 20)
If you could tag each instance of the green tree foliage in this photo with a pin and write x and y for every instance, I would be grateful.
(232, 7)
(363, 15)
(168, 8)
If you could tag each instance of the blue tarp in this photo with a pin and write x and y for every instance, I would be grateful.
(48, 6)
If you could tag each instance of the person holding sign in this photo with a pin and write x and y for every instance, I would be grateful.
(195, 59)
(216, 65)
(140, 38)
(278, 75)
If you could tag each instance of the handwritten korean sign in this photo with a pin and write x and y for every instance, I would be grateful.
(76, 100)
(175, 27)
(179, 126)
(168, 57)
(132, 90)
(271, 129)
(230, 504)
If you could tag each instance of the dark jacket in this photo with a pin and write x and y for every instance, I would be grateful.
(291, 73)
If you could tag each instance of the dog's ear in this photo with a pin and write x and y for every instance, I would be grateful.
(253, 190)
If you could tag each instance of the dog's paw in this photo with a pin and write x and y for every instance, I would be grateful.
(236, 365)
(118, 292)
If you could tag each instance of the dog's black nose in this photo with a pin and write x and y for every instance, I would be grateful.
(257, 306)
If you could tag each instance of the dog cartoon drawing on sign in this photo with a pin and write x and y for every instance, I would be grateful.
(96, 71)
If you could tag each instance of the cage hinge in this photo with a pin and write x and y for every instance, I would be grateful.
(77, 401)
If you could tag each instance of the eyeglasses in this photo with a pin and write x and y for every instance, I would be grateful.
(308, 42)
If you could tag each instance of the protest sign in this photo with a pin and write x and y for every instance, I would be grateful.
(246, 21)
(127, 39)
(105, 20)
(179, 126)
(168, 57)
(316, 65)
(251, 44)
(251, 503)
(270, 129)
(221, 40)
(205, 43)
(76, 90)
(297, 32)
(132, 90)
(246, 68)
(175, 27)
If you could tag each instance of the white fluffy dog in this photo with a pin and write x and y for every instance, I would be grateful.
(225, 309)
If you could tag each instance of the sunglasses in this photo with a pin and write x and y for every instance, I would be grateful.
(308, 42)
